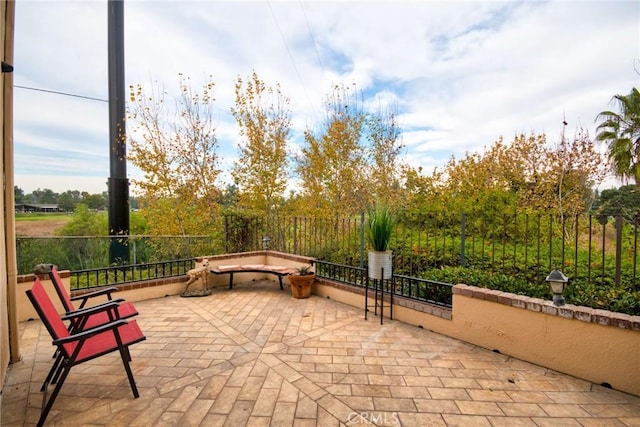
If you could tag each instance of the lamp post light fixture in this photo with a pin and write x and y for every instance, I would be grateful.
(266, 243)
(557, 283)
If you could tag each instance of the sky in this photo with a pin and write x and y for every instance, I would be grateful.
(462, 74)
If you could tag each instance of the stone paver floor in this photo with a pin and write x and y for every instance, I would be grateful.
(255, 356)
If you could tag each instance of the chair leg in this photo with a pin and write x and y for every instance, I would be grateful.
(54, 371)
(124, 353)
(59, 370)
(46, 408)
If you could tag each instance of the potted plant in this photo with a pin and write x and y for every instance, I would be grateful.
(301, 281)
(379, 227)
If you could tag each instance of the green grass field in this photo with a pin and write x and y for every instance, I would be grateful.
(22, 216)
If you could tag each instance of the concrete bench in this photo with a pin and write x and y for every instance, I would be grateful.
(279, 271)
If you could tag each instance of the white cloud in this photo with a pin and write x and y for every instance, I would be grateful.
(462, 73)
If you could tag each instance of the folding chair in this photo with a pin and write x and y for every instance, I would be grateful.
(123, 310)
(80, 347)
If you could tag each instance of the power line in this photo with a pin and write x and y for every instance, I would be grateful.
(315, 45)
(61, 93)
(286, 45)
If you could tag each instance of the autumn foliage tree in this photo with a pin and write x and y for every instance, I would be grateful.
(263, 115)
(175, 148)
(384, 135)
(422, 191)
(575, 168)
(528, 174)
(333, 162)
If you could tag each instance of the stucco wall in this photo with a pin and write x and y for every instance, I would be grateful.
(25, 308)
(131, 292)
(259, 257)
(596, 345)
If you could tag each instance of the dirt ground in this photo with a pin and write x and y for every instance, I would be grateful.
(43, 227)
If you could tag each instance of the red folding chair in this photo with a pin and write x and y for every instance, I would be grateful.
(123, 309)
(81, 346)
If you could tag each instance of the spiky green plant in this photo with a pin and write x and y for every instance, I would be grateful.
(304, 270)
(379, 228)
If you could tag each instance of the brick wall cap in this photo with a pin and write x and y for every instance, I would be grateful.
(567, 311)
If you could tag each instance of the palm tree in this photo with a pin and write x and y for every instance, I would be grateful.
(622, 133)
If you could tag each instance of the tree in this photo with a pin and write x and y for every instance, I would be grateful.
(528, 173)
(333, 163)
(84, 223)
(423, 192)
(66, 202)
(621, 131)
(18, 194)
(575, 167)
(481, 182)
(229, 196)
(45, 196)
(383, 133)
(133, 203)
(264, 119)
(95, 201)
(177, 155)
(622, 201)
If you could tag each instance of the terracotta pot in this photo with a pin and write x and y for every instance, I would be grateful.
(301, 285)
(377, 261)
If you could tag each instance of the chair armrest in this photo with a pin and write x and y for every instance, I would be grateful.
(83, 312)
(97, 293)
(90, 332)
(118, 300)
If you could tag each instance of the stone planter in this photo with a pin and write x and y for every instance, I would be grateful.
(379, 261)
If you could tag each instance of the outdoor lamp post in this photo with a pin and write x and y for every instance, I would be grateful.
(266, 243)
(557, 282)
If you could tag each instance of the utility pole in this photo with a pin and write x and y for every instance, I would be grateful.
(118, 182)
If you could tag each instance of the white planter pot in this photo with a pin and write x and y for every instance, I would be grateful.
(379, 261)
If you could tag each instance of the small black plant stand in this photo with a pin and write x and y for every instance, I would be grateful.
(379, 289)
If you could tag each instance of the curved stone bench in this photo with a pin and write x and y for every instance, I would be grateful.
(278, 270)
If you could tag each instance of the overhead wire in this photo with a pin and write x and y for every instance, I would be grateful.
(315, 45)
(293, 62)
(61, 93)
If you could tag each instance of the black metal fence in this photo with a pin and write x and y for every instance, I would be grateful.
(600, 250)
(323, 238)
(408, 287)
(91, 278)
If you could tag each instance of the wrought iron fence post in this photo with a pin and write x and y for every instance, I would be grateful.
(226, 234)
(603, 219)
(463, 227)
(361, 239)
(295, 235)
(618, 249)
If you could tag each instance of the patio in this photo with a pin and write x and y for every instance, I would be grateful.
(256, 356)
